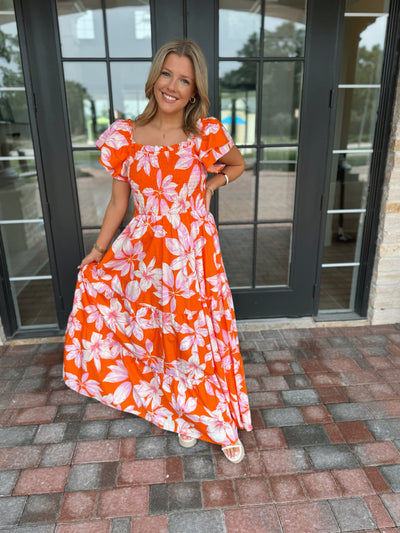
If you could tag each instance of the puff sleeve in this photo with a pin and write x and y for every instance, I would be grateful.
(114, 147)
(215, 143)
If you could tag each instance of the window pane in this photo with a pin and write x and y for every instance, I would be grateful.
(239, 28)
(128, 81)
(349, 181)
(237, 252)
(356, 118)
(343, 237)
(129, 28)
(277, 184)
(81, 28)
(363, 42)
(236, 202)
(19, 198)
(238, 99)
(367, 6)
(88, 102)
(94, 187)
(10, 59)
(26, 249)
(273, 254)
(284, 28)
(34, 302)
(282, 83)
(337, 288)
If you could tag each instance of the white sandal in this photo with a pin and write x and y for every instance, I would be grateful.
(187, 442)
(236, 458)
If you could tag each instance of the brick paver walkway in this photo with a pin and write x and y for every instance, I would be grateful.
(324, 454)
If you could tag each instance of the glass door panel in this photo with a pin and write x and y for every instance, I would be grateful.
(364, 33)
(260, 95)
(22, 233)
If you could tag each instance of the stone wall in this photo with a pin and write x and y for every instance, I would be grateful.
(384, 302)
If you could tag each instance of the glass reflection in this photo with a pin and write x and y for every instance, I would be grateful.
(367, 6)
(128, 28)
(284, 28)
(94, 187)
(277, 184)
(356, 118)
(349, 181)
(88, 101)
(336, 291)
(238, 100)
(34, 301)
(363, 45)
(237, 251)
(128, 81)
(273, 254)
(281, 108)
(343, 231)
(239, 28)
(236, 202)
(26, 249)
(81, 28)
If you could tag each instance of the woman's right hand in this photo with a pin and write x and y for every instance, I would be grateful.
(93, 257)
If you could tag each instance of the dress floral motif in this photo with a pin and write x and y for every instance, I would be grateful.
(152, 330)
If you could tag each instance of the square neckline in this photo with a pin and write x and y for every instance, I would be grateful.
(158, 147)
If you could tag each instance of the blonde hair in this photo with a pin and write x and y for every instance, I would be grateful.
(193, 111)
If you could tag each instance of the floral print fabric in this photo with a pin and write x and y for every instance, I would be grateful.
(152, 330)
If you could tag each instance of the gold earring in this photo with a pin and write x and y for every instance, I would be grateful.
(192, 100)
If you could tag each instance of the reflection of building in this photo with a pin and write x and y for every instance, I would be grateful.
(303, 87)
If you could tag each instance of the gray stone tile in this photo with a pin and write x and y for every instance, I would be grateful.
(344, 412)
(121, 525)
(332, 457)
(375, 340)
(297, 368)
(151, 447)
(174, 448)
(392, 475)
(84, 477)
(58, 454)
(42, 528)
(12, 373)
(70, 413)
(11, 510)
(184, 496)
(8, 478)
(287, 416)
(198, 467)
(311, 435)
(388, 429)
(17, 436)
(129, 427)
(93, 430)
(30, 385)
(340, 342)
(300, 397)
(253, 356)
(35, 371)
(158, 499)
(297, 381)
(50, 433)
(352, 514)
(72, 431)
(41, 508)
(196, 522)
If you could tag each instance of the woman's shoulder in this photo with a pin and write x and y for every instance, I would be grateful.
(209, 125)
(119, 133)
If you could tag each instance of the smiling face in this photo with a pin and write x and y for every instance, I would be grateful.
(175, 85)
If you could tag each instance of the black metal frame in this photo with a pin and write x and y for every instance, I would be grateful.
(42, 65)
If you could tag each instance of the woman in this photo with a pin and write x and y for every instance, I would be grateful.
(152, 330)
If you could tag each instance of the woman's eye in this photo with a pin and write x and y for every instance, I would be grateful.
(186, 82)
(165, 73)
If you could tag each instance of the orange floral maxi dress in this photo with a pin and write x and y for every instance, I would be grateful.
(152, 330)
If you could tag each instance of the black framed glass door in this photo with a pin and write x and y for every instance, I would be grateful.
(273, 70)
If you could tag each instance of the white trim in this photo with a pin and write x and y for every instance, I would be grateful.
(29, 278)
(334, 211)
(12, 88)
(22, 221)
(359, 86)
(355, 151)
(366, 14)
(330, 265)
(17, 158)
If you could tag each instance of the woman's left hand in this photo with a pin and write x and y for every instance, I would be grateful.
(209, 193)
